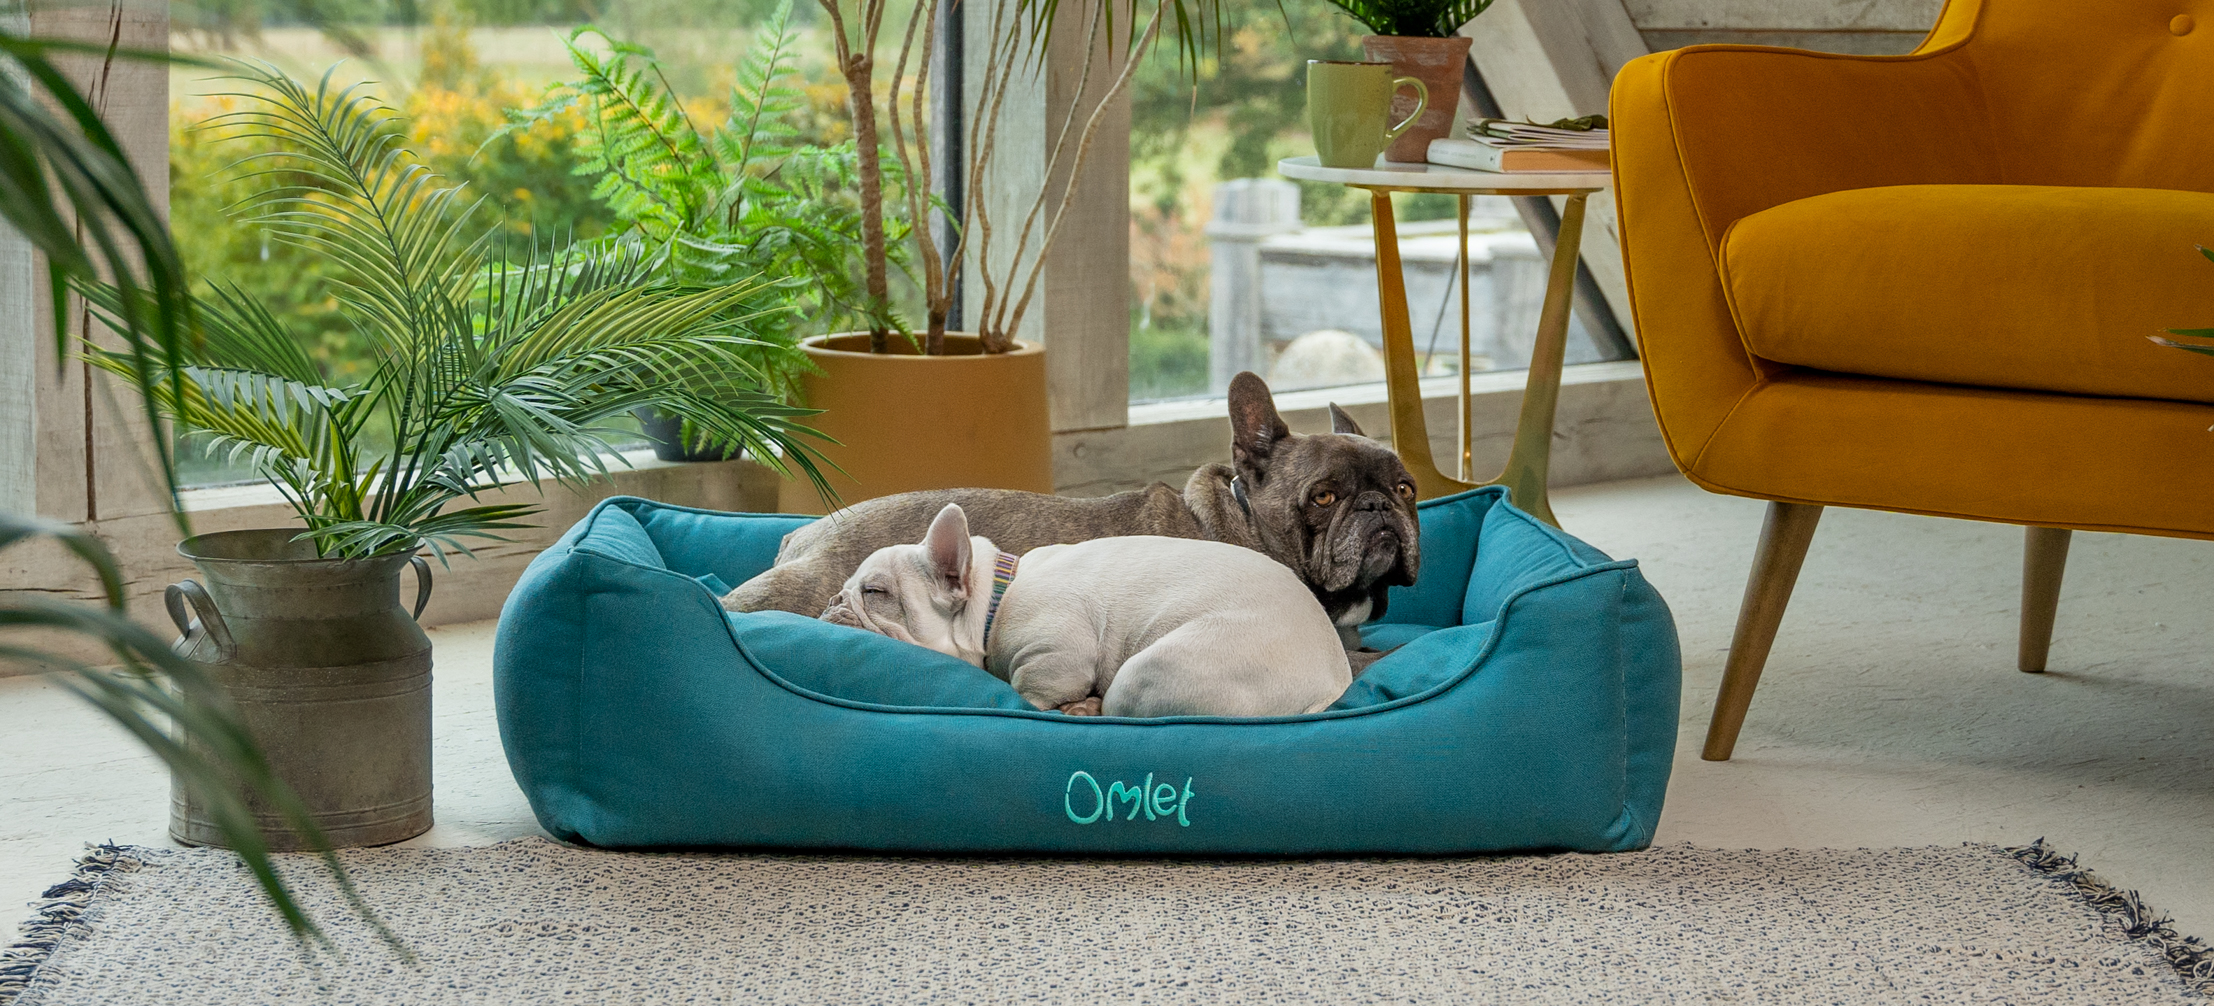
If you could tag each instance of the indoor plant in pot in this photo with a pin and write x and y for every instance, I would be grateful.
(883, 389)
(932, 408)
(490, 368)
(920, 408)
(738, 200)
(1420, 39)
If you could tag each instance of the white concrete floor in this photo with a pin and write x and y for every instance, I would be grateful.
(1890, 714)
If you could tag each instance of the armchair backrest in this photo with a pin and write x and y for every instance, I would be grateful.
(2092, 93)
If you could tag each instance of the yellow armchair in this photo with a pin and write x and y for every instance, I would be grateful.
(1924, 283)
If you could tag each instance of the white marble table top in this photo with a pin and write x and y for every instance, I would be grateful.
(1441, 178)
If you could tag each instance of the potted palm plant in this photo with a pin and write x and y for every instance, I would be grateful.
(73, 194)
(1420, 39)
(493, 366)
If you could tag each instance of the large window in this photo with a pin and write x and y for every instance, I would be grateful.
(461, 74)
(1231, 267)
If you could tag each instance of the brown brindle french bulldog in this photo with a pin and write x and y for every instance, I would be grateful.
(1337, 508)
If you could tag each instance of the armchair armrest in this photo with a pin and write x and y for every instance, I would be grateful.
(1707, 135)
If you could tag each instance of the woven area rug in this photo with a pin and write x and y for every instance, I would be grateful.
(534, 921)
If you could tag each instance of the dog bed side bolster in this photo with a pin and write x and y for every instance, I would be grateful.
(537, 672)
(1651, 675)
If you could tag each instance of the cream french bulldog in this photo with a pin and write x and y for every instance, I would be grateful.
(1127, 626)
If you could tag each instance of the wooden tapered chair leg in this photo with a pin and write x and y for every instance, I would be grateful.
(2044, 560)
(1784, 538)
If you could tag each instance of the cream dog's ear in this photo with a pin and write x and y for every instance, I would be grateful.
(947, 546)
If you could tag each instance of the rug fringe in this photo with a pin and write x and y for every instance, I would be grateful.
(2192, 958)
(59, 912)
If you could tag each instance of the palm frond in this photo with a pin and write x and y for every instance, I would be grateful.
(2202, 348)
(368, 203)
(494, 363)
(176, 711)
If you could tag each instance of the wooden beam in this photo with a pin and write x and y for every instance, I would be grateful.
(93, 453)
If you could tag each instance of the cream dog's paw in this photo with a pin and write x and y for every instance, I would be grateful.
(1086, 706)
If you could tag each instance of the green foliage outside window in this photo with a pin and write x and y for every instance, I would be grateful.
(495, 358)
(746, 196)
(456, 123)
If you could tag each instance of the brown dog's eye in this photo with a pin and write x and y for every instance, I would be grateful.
(1325, 498)
(1406, 490)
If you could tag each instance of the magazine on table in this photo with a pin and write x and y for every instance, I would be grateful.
(1506, 146)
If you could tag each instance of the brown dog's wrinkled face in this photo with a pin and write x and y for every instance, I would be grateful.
(1337, 507)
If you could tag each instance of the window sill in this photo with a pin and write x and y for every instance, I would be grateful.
(1604, 429)
(1351, 395)
(256, 494)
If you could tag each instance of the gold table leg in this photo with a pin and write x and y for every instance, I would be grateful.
(1410, 434)
(1468, 442)
(1530, 460)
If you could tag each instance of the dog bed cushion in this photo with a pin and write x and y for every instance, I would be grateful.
(1530, 704)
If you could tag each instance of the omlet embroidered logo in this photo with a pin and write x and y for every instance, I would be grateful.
(1156, 802)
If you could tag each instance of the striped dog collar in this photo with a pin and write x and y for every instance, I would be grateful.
(1003, 573)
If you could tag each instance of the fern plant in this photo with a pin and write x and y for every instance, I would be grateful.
(493, 364)
(1413, 18)
(739, 198)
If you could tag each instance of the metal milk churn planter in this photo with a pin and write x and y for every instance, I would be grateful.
(330, 674)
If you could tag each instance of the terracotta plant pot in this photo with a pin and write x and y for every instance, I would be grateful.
(904, 421)
(1436, 62)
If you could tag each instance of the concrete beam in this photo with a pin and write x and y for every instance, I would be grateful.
(1864, 27)
(1784, 15)
(1552, 59)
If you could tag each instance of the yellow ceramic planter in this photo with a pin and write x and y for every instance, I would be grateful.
(904, 421)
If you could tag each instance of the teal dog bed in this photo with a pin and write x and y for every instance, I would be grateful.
(1530, 704)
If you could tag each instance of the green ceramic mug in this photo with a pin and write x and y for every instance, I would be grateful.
(1349, 106)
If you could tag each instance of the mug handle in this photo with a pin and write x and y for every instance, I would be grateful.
(1422, 101)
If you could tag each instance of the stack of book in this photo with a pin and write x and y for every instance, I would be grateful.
(1500, 145)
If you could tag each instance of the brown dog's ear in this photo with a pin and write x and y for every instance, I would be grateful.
(947, 546)
(1255, 428)
(1342, 423)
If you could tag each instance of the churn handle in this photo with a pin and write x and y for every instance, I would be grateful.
(203, 607)
(422, 583)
